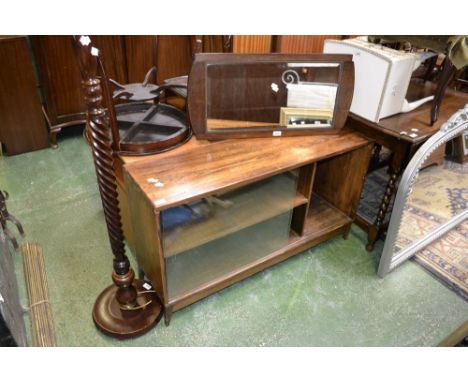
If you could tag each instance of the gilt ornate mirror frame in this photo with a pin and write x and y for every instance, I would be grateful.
(456, 125)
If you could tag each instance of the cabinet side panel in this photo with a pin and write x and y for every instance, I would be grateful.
(146, 237)
(251, 44)
(339, 180)
(125, 214)
(303, 43)
(22, 125)
(59, 74)
(141, 55)
(174, 56)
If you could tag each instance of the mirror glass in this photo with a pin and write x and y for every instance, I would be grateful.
(438, 195)
(267, 94)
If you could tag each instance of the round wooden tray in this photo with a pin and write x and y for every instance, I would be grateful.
(146, 128)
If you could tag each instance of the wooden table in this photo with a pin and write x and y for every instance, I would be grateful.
(387, 133)
(325, 174)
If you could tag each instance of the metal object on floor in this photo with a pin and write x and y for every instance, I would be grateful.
(43, 333)
(130, 307)
(10, 307)
(6, 216)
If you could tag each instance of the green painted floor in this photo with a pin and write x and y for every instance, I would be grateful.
(326, 296)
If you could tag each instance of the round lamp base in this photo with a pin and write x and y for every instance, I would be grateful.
(118, 323)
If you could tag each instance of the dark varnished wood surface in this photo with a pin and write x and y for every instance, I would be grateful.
(251, 44)
(419, 118)
(147, 239)
(302, 43)
(341, 179)
(141, 55)
(174, 57)
(199, 168)
(387, 133)
(59, 74)
(22, 125)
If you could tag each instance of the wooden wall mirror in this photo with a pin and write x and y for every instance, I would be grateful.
(399, 246)
(244, 95)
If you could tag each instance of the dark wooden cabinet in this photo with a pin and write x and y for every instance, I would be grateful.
(22, 125)
(252, 44)
(60, 78)
(59, 75)
(127, 59)
(302, 43)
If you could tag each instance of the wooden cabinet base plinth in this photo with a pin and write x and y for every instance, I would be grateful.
(116, 322)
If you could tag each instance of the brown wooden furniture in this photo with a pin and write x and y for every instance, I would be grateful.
(278, 196)
(302, 43)
(245, 95)
(128, 58)
(388, 133)
(129, 307)
(22, 125)
(459, 148)
(252, 44)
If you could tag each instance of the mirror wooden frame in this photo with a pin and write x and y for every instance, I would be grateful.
(455, 126)
(197, 93)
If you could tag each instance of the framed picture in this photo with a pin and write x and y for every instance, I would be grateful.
(294, 117)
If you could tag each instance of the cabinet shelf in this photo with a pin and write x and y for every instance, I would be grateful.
(191, 272)
(322, 218)
(278, 195)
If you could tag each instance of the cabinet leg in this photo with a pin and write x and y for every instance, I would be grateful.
(370, 245)
(167, 315)
(448, 70)
(375, 157)
(346, 231)
(141, 274)
(374, 230)
(53, 138)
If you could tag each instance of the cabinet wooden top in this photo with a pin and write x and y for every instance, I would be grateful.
(201, 168)
(417, 119)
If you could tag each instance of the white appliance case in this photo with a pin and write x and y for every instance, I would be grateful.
(382, 77)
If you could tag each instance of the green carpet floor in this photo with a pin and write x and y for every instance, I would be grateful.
(327, 296)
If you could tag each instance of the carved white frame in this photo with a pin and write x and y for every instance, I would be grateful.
(456, 125)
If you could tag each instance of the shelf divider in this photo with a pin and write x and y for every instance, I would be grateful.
(304, 187)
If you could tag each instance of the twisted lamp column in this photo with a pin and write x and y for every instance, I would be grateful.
(126, 308)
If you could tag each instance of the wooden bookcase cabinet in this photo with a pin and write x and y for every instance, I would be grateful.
(286, 212)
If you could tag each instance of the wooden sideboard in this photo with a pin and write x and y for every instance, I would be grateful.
(264, 200)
